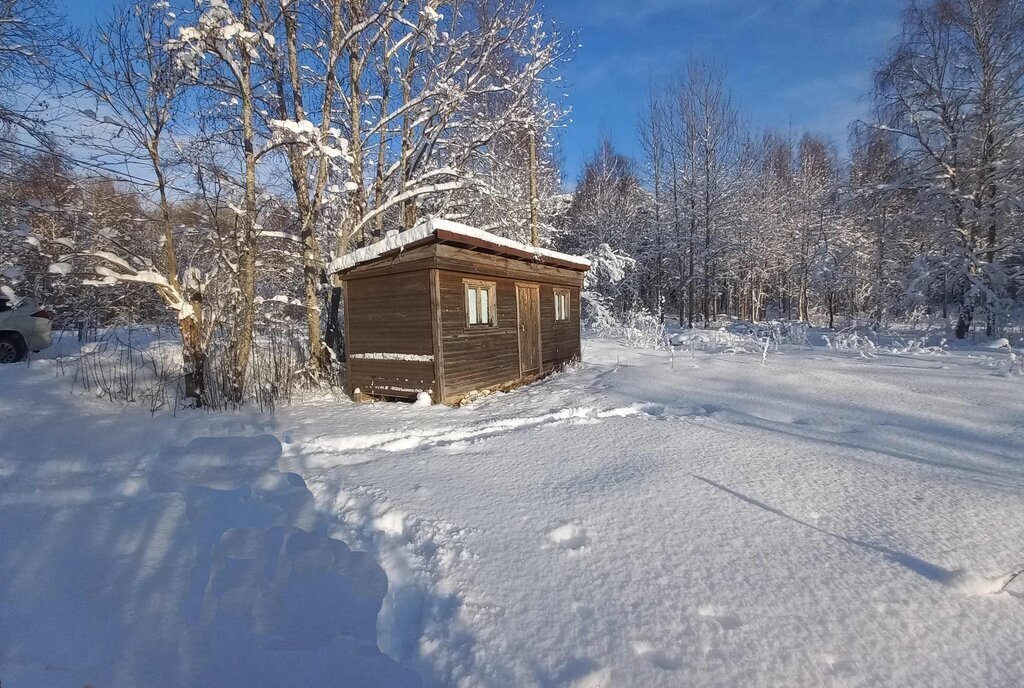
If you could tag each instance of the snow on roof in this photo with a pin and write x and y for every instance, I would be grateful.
(430, 227)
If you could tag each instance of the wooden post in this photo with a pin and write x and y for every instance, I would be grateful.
(534, 231)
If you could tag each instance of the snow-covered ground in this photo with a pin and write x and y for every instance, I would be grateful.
(827, 518)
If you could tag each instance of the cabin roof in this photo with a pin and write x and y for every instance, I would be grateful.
(433, 229)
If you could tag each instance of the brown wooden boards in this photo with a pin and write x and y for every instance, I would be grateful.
(528, 310)
(438, 336)
(450, 320)
(389, 338)
(444, 256)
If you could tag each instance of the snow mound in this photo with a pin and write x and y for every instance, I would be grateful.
(656, 656)
(570, 536)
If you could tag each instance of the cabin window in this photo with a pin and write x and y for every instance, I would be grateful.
(480, 304)
(561, 305)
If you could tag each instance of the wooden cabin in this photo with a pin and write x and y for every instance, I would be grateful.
(447, 309)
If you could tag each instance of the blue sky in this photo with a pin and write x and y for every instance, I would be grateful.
(793, 64)
(800, 64)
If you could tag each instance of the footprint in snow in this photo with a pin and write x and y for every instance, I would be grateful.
(598, 678)
(726, 622)
(656, 656)
(839, 667)
(584, 612)
(569, 536)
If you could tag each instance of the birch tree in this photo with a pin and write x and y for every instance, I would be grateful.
(222, 52)
(952, 91)
(136, 88)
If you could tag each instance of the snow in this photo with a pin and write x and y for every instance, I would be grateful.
(811, 518)
(426, 229)
(386, 356)
(140, 551)
(59, 269)
(304, 132)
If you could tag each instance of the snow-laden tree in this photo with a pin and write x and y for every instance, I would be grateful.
(952, 90)
(381, 112)
(695, 149)
(609, 216)
(879, 206)
(132, 87)
(31, 36)
(223, 52)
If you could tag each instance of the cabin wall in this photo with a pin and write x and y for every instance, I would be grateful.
(485, 358)
(397, 347)
(386, 318)
(477, 358)
(560, 341)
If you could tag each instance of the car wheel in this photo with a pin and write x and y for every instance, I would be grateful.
(10, 351)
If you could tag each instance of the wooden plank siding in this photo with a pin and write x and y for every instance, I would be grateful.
(475, 263)
(559, 341)
(390, 315)
(414, 302)
(477, 358)
(446, 257)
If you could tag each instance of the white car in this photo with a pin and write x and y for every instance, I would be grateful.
(24, 327)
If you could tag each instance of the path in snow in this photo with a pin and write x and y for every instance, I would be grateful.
(169, 552)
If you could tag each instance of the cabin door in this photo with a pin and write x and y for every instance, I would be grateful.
(528, 306)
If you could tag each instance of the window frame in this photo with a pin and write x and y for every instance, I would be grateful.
(492, 307)
(567, 312)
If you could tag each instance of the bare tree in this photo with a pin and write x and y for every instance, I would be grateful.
(952, 91)
(137, 87)
(32, 33)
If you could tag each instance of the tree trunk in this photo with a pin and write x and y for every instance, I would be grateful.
(804, 309)
(534, 222)
(241, 340)
(334, 336)
(964, 321)
(194, 355)
(879, 272)
(691, 297)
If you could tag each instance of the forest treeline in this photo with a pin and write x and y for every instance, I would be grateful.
(924, 216)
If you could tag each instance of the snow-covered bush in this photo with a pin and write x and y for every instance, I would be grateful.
(128, 366)
(143, 366)
(637, 328)
(869, 343)
(277, 368)
(602, 313)
(740, 336)
(855, 338)
(778, 332)
(642, 330)
(720, 341)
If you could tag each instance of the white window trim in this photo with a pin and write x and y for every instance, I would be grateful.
(492, 308)
(563, 312)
